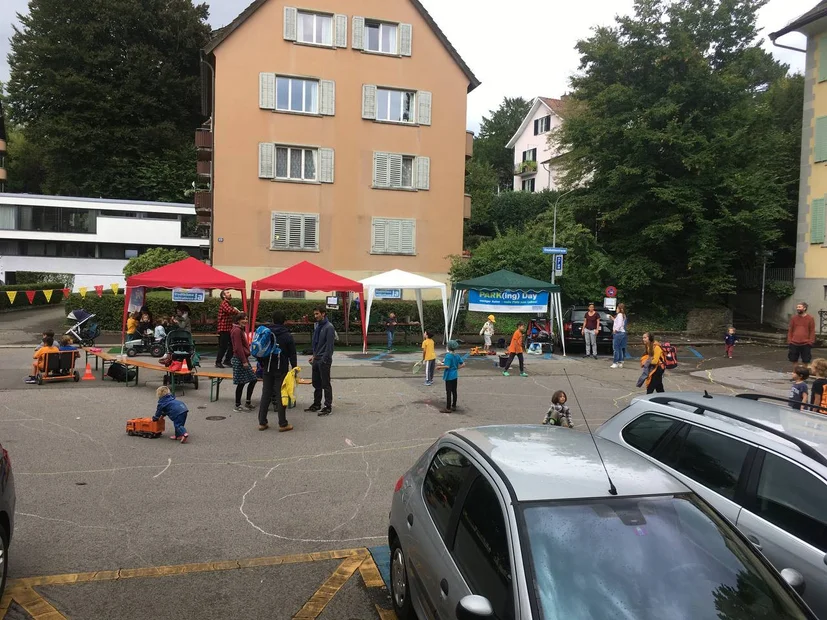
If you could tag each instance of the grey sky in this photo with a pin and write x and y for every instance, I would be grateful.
(526, 49)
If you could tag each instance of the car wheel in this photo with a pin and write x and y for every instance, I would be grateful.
(131, 352)
(4, 558)
(157, 351)
(76, 376)
(400, 590)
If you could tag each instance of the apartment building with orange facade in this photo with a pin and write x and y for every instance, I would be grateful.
(335, 138)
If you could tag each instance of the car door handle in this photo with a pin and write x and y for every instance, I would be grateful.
(754, 540)
(410, 520)
(443, 588)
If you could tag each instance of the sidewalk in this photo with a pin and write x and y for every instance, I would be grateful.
(748, 378)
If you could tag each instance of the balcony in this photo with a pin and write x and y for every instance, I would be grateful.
(202, 168)
(2, 174)
(203, 203)
(466, 207)
(469, 144)
(525, 168)
(203, 139)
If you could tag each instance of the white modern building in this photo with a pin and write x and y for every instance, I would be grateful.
(90, 238)
(534, 168)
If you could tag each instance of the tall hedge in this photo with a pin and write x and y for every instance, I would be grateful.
(21, 301)
(109, 311)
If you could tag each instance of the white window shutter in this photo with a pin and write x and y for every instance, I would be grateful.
(340, 31)
(369, 101)
(379, 244)
(358, 33)
(381, 169)
(394, 236)
(279, 231)
(395, 170)
(291, 18)
(407, 237)
(327, 97)
(294, 230)
(311, 232)
(266, 160)
(422, 167)
(326, 165)
(405, 39)
(424, 114)
(267, 91)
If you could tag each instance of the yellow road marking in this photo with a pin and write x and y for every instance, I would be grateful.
(370, 574)
(334, 583)
(385, 614)
(34, 604)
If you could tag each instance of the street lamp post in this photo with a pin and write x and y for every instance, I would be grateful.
(554, 229)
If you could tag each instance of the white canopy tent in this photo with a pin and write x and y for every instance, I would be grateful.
(398, 279)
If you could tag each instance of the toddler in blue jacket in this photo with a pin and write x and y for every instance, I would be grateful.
(175, 410)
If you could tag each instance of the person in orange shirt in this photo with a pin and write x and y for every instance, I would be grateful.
(515, 349)
(39, 364)
(655, 358)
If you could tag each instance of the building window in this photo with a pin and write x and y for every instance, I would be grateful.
(295, 231)
(297, 95)
(56, 219)
(395, 105)
(528, 185)
(8, 217)
(381, 37)
(292, 295)
(296, 164)
(397, 171)
(393, 236)
(542, 125)
(530, 155)
(315, 28)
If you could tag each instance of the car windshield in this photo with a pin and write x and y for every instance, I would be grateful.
(647, 558)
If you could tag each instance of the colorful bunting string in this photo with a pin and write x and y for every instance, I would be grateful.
(66, 292)
(30, 295)
(11, 295)
(99, 290)
(115, 286)
(82, 290)
(47, 293)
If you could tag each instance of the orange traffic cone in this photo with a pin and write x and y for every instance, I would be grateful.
(88, 376)
(184, 367)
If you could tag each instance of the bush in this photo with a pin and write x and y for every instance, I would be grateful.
(21, 301)
(153, 259)
(780, 290)
(67, 280)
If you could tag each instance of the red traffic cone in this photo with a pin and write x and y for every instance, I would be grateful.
(88, 376)
(184, 367)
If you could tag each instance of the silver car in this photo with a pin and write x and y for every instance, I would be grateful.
(518, 522)
(760, 464)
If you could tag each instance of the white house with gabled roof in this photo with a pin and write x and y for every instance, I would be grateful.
(534, 168)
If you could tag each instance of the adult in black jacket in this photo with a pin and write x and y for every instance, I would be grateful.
(324, 336)
(275, 369)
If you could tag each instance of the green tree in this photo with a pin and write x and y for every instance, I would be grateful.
(152, 259)
(24, 164)
(495, 132)
(103, 88)
(671, 128)
(481, 185)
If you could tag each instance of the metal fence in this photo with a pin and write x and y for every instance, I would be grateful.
(752, 279)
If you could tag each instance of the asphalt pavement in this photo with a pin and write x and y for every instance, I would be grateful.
(240, 522)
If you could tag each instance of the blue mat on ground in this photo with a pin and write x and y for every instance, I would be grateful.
(382, 558)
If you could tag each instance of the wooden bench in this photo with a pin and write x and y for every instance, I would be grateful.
(215, 381)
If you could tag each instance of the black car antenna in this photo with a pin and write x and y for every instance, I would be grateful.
(612, 488)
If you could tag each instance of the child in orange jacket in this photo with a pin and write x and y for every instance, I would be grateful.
(515, 349)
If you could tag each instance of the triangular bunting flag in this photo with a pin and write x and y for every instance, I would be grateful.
(83, 290)
(115, 286)
(30, 295)
(66, 292)
(48, 295)
(99, 290)
(11, 295)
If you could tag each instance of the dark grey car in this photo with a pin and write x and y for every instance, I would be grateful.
(7, 501)
(522, 522)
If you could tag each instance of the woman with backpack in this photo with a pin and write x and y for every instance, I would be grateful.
(243, 373)
(656, 362)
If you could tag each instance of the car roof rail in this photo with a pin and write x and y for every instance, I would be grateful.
(822, 409)
(806, 449)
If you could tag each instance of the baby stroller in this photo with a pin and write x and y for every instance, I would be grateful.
(540, 332)
(85, 329)
(180, 348)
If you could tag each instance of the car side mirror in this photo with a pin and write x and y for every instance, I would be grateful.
(473, 606)
(794, 579)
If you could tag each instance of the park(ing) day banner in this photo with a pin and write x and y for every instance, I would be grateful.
(507, 301)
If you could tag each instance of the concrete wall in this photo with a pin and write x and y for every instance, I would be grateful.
(244, 203)
(88, 272)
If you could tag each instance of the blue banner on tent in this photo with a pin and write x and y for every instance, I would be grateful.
(507, 301)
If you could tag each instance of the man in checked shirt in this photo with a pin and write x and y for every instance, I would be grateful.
(225, 326)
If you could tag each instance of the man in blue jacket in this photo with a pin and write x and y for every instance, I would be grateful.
(323, 337)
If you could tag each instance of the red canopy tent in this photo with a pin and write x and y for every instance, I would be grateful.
(306, 276)
(187, 273)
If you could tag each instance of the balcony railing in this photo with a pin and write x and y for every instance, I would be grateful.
(203, 139)
(469, 144)
(203, 203)
(466, 207)
(203, 168)
(525, 168)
